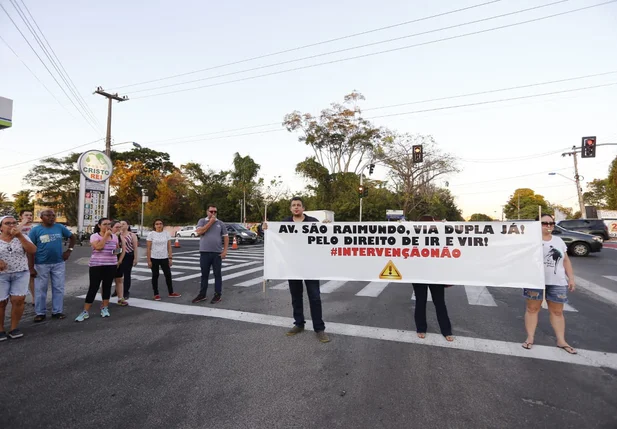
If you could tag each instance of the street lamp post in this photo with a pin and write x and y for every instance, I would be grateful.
(579, 191)
(144, 200)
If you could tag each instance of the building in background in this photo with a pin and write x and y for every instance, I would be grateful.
(6, 113)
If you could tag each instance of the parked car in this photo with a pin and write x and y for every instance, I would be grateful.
(187, 231)
(579, 243)
(595, 227)
(242, 233)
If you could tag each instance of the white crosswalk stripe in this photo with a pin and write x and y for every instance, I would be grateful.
(479, 295)
(246, 264)
(251, 282)
(331, 286)
(566, 307)
(373, 289)
(281, 286)
(429, 297)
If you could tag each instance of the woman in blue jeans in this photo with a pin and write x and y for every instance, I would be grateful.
(559, 279)
(14, 273)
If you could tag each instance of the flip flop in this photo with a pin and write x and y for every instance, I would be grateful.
(449, 338)
(422, 335)
(569, 349)
(527, 345)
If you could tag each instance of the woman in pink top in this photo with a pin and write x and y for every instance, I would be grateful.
(103, 265)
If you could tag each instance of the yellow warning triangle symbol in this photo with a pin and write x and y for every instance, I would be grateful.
(390, 272)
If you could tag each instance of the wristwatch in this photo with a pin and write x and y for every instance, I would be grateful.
(71, 249)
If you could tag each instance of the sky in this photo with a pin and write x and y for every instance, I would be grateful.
(500, 145)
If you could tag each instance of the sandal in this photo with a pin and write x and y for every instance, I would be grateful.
(527, 345)
(39, 318)
(422, 335)
(568, 349)
(449, 338)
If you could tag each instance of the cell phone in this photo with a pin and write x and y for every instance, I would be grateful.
(116, 251)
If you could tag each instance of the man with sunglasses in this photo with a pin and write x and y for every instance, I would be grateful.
(49, 264)
(211, 232)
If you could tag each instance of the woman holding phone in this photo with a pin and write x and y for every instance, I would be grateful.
(103, 265)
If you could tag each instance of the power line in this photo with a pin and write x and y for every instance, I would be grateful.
(4, 167)
(508, 190)
(470, 94)
(402, 104)
(37, 78)
(521, 158)
(480, 103)
(376, 53)
(49, 71)
(349, 49)
(311, 44)
(509, 178)
(71, 86)
(38, 40)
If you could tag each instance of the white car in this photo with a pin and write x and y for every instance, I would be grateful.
(187, 231)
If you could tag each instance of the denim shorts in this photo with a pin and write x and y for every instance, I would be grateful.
(14, 284)
(558, 294)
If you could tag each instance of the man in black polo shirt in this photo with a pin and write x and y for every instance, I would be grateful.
(312, 286)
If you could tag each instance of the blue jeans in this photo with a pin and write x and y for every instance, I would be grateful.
(14, 284)
(207, 260)
(296, 288)
(43, 273)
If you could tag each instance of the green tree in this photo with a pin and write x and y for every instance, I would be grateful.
(6, 207)
(438, 202)
(244, 177)
(611, 186)
(171, 202)
(340, 138)
(57, 181)
(209, 187)
(480, 217)
(597, 194)
(523, 204)
(412, 180)
(23, 201)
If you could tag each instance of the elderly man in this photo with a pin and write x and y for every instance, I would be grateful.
(48, 263)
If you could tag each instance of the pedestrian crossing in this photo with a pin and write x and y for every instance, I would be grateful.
(243, 268)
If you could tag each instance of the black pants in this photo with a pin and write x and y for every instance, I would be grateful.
(103, 274)
(164, 264)
(312, 290)
(439, 299)
(127, 268)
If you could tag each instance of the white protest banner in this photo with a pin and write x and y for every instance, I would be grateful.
(504, 254)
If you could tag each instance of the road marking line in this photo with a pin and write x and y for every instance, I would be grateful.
(607, 294)
(331, 286)
(136, 277)
(281, 286)
(141, 266)
(566, 307)
(238, 274)
(550, 353)
(373, 289)
(613, 278)
(479, 295)
(251, 282)
(148, 270)
(231, 267)
(429, 297)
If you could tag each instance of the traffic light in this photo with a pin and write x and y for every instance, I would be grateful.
(417, 153)
(588, 147)
(362, 191)
(371, 168)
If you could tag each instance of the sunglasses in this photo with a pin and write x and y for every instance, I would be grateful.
(212, 211)
(548, 223)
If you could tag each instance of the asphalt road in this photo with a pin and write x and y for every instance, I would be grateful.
(179, 365)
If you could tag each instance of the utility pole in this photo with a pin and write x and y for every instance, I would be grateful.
(577, 180)
(110, 97)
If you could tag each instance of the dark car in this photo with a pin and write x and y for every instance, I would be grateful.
(588, 226)
(242, 233)
(579, 243)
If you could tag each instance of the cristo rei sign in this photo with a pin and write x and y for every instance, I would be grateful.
(96, 169)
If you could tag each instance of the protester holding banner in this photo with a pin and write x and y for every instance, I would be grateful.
(312, 286)
(103, 265)
(438, 293)
(559, 279)
(158, 251)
